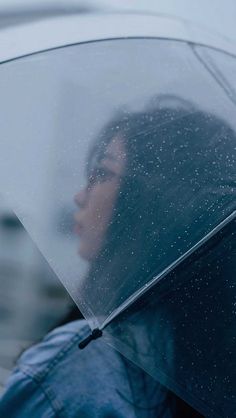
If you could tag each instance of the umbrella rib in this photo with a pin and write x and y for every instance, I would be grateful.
(216, 74)
(129, 301)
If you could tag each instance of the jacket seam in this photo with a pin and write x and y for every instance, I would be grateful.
(55, 405)
(39, 376)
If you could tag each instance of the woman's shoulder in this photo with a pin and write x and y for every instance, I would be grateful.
(41, 357)
(56, 375)
(58, 353)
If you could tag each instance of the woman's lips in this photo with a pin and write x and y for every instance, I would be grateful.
(78, 228)
(78, 224)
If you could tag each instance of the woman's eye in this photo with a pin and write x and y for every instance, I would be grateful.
(99, 175)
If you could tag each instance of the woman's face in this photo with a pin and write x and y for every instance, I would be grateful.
(97, 200)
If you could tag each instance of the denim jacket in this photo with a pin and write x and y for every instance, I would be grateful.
(54, 379)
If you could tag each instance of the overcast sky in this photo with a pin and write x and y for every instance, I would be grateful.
(218, 15)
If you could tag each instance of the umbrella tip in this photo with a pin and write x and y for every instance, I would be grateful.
(95, 334)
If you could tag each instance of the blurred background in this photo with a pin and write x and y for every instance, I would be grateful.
(213, 14)
(32, 299)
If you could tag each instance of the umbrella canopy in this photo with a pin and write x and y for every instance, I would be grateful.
(118, 156)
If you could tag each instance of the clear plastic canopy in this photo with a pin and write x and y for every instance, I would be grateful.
(119, 159)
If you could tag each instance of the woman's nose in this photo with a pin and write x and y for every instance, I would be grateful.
(81, 198)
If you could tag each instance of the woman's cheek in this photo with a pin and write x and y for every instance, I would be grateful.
(103, 201)
(98, 216)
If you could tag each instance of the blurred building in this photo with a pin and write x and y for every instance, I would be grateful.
(32, 299)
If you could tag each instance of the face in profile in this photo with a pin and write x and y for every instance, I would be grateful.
(96, 201)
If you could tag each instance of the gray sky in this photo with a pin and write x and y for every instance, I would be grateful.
(217, 15)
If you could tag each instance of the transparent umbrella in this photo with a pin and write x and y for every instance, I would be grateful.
(118, 157)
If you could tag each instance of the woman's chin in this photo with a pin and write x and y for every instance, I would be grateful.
(81, 252)
(85, 252)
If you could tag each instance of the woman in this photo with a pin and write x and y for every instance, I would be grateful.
(124, 214)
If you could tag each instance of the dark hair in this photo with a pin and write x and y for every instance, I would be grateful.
(164, 147)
